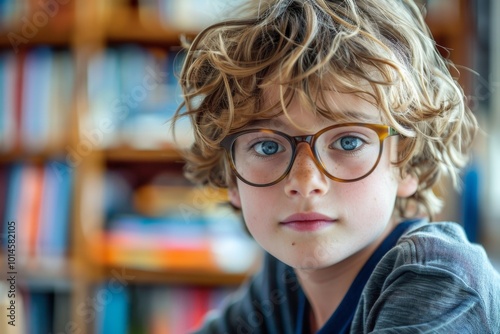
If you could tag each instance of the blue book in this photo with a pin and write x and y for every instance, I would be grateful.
(7, 118)
(36, 98)
(3, 199)
(40, 312)
(55, 215)
(9, 11)
(13, 198)
(106, 106)
(114, 317)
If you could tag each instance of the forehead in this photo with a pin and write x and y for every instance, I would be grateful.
(328, 107)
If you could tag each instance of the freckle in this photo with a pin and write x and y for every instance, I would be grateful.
(293, 243)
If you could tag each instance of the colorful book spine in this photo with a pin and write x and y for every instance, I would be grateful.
(157, 309)
(39, 201)
(135, 91)
(36, 96)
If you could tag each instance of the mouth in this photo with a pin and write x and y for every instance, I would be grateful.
(307, 221)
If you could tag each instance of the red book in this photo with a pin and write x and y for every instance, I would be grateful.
(18, 97)
(200, 298)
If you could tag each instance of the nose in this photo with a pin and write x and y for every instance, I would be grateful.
(305, 177)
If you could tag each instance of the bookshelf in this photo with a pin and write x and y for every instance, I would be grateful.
(93, 88)
(83, 137)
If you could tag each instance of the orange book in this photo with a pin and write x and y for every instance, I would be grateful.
(129, 249)
(35, 214)
(29, 209)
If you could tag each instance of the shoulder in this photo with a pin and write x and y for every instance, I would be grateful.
(443, 246)
(434, 264)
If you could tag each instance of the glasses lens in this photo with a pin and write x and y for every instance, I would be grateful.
(348, 152)
(261, 157)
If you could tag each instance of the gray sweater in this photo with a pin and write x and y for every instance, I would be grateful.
(424, 278)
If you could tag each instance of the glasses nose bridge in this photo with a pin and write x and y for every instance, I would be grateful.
(308, 139)
(303, 139)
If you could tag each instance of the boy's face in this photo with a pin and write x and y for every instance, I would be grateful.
(308, 220)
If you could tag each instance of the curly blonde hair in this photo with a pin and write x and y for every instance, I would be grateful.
(379, 50)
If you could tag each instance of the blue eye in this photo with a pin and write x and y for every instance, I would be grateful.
(348, 143)
(268, 147)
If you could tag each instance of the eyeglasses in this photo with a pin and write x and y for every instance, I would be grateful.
(344, 152)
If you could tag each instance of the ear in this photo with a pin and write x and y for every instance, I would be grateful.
(234, 196)
(407, 186)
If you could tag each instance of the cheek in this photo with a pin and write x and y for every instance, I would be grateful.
(373, 198)
(257, 205)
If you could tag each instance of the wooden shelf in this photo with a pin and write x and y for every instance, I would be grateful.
(61, 37)
(66, 271)
(39, 26)
(125, 25)
(194, 277)
(169, 154)
(31, 156)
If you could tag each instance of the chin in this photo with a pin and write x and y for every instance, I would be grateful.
(305, 260)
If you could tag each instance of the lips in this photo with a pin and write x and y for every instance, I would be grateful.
(307, 221)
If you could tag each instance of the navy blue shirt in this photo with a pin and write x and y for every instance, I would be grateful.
(423, 278)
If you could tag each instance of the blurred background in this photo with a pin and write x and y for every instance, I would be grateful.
(100, 232)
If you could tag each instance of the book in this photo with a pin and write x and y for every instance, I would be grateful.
(61, 314)
(156, 309)
(13, 200)
(39, 202)
(36, 93)
(17, 87)
(113, 318)
(54, 219)
(61, 99)
(40, 310)
(28, 211)
(7, 117)
(4, 173)
(134, 91)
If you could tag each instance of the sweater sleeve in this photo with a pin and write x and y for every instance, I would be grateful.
(434, 281)
(267, 303)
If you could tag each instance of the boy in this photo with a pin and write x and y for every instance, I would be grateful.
(330, 122)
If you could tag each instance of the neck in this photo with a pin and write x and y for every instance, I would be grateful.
(326, 287)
